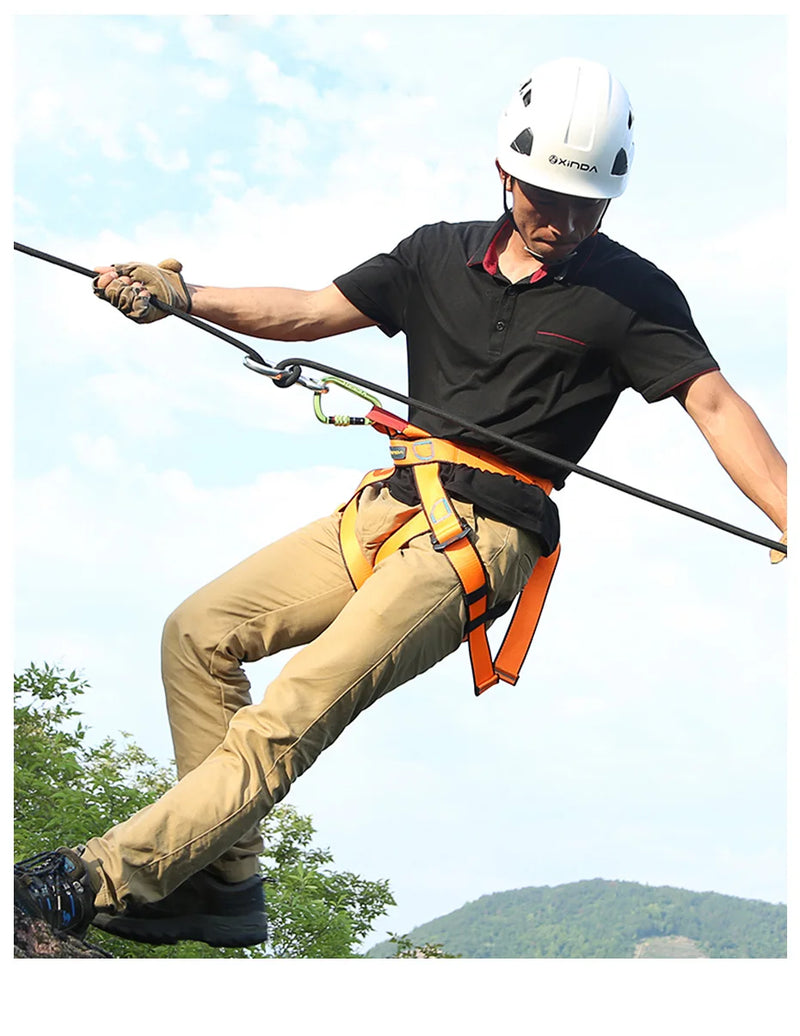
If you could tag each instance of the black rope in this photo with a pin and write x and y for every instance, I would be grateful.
(153, 302)
(641, 494)
(293, 366)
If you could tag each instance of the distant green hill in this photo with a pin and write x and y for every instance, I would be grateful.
(601, 918)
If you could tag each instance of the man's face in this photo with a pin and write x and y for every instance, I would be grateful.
(551, 224)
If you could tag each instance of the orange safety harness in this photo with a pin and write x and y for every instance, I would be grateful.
(411, 446)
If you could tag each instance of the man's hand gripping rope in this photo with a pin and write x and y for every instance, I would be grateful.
(130, 288)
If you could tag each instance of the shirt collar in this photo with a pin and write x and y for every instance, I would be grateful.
(486, 255)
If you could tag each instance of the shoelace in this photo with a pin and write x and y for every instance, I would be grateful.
(48, 880)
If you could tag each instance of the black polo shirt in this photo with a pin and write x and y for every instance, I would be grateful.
(541, 361)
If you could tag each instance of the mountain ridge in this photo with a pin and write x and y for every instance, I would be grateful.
(605, 918)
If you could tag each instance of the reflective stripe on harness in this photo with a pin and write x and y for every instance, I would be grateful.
(412, 447)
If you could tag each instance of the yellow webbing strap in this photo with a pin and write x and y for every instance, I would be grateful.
(359, 567)
(401, 537)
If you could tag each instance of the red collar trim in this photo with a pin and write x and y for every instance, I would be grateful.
(491, 260)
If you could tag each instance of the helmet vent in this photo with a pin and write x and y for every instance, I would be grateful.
(630, 119)
(620, 166)
(523, 142)
(525, 93)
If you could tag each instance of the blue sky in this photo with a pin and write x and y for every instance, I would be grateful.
(646, 740)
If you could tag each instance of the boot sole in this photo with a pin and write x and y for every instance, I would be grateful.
(220, 932)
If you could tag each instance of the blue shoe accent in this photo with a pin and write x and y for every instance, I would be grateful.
(55, 887)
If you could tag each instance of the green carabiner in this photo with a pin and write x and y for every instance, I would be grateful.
(341, 420)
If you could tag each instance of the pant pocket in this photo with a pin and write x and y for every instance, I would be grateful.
(379, 515)
(509, 556)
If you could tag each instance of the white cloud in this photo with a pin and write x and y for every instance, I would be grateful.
(280, 148)
(208, 42)
(219, 177)
(29, 208)
(47, 112)
(82, 180)
(375, 40)
(105, 133)
(271, 86)
(139, 403)
(146, 42)
(99, 453)
(129, 36)
(211, 87)
(719, 261)
(154, 151)
(42, 110)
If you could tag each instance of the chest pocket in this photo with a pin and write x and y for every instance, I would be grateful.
(566, 343)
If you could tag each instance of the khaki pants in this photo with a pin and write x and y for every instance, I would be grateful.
(237, 759)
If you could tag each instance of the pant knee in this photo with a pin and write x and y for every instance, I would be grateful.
(185, 635)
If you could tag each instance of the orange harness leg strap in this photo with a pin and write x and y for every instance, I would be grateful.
(358, 567)
(410, 446)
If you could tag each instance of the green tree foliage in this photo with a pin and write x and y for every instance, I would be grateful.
(67, 789)
(406, 948)
(314, 911)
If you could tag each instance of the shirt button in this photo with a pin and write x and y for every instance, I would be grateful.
(500, 325)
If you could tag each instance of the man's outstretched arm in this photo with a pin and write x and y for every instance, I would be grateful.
(739, 441)
(283, 314)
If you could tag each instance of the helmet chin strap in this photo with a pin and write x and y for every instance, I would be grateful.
(540, 258)
(510, 214)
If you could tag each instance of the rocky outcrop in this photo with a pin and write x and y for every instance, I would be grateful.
(34, 938)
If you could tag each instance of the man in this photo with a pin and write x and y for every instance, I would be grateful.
(531, 326)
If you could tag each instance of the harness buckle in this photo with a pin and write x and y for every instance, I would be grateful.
(441, 545)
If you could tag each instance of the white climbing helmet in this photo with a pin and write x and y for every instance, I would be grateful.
(568, 129)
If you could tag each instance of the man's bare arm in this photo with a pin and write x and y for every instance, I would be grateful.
(739, 441)
(284, 314)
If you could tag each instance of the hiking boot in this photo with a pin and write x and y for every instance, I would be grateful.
(203, 908)
(54, 887)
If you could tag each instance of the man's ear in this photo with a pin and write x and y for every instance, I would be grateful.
(506, 180)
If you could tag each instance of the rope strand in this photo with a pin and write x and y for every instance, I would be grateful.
(298, 363)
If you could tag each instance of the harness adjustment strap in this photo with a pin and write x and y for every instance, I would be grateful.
(525, 619)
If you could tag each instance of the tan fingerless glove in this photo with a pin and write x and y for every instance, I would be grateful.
(163, 282)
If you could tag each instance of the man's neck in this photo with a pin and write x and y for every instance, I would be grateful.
(513, 260)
